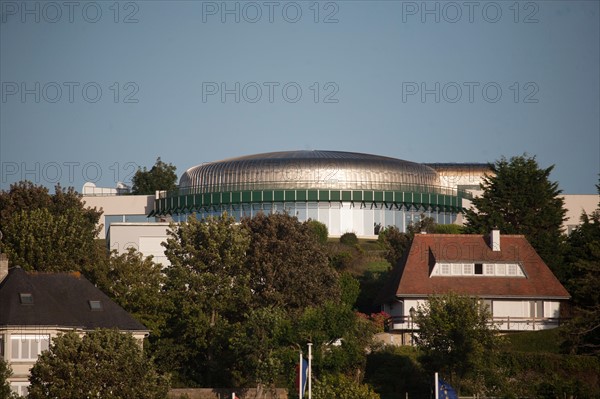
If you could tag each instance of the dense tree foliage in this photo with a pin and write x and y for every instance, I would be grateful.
(160, 177)
(206, 288)
(457, 340)
(106, 364)
(134, 282)
(519, 198)
(287, 265)
(341, 387)
(583, 282)
(5, 373)
(48, 232)
(319, 229)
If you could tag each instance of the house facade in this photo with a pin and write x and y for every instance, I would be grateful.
(35, 307)
(504, 271)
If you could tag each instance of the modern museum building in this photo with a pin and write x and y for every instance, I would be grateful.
(348, 192)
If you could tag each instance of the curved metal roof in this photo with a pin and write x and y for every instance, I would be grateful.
(310, 170)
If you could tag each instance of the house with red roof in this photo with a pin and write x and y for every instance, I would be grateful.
(504, 271)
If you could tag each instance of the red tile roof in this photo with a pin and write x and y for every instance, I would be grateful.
(411, 277)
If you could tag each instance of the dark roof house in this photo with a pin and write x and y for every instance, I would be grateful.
(35, 307)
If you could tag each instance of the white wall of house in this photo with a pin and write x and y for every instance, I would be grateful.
(144, 237)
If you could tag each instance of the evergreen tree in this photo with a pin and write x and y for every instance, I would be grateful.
(519, 198)
(160, 177)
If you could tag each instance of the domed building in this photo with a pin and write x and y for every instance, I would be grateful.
(348, 192)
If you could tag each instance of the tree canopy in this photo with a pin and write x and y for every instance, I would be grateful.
(288, 266)
(457, 340)
(103, 363)
(48, 232)
(519, 198)
(160, 177)
(583, 282)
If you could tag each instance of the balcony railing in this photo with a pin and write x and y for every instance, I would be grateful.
(507, 323)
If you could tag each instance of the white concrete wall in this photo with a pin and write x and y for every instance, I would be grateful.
(576, 205)
(120, 205)
(144, 237)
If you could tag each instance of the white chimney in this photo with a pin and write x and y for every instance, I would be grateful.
(3, 266)
(495, 240)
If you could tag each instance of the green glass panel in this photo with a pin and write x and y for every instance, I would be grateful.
(278, 194)
(290, 195)
(378, 196)
(388, 196)
(257, 196)
(313, 195)
(335, 195)
(324, 195)
(357, 196)
(236, 197)
(246, 196)
(301, 195)
(268, 196)
(368, 195)
(346, 195)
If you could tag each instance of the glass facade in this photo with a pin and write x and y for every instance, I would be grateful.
(339, 217)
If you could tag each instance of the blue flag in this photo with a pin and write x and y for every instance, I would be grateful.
(445, 390)
(301, 371)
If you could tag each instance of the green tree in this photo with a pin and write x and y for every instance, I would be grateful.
(160, 177)
(288, 267)
(341, 387)
(319, 229)
(5, 373)
(206, 287)
(135, 282)
(395, 242)
(340, 338)
(259, 346)
(457, 340)
(519, 198)
(104, 363)
(48, 232)
(583, 282)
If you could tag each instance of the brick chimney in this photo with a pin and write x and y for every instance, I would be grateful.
(495, 240)
(3, 266)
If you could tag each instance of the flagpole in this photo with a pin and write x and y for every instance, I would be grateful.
(437, 386)
(300, 377)
(309, 374)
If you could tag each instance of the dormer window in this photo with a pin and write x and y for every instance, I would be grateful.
(95, 305)
(26, 298)
(478, 269)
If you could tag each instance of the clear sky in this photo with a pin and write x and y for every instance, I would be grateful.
(91, 90)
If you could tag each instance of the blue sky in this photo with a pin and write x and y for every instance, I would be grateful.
(91, 90)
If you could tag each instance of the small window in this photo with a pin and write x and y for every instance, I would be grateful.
(479, 268)
(26, 298)
(512, 270)
(95, 305)
(468, 269)
(445, 268)
(457, 269)
(489, 269)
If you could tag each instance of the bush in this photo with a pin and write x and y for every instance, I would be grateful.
(349, 239)
(340, 386)
(319, 230)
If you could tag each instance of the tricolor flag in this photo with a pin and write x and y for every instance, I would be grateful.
(445, 390)
(301, 372)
